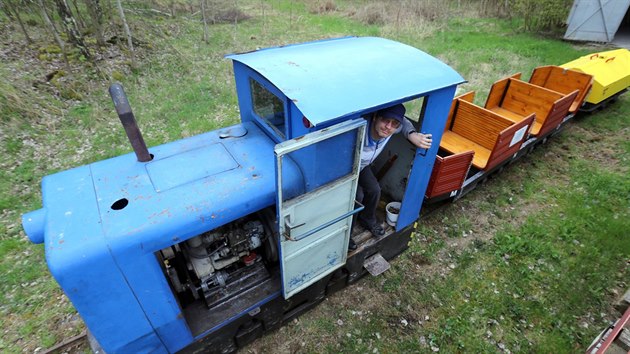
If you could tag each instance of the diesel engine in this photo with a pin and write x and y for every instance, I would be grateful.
(221, 263)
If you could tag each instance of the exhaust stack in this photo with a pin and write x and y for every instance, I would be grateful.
(129, 122)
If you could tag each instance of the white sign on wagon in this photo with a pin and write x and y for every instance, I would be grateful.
(518, 136)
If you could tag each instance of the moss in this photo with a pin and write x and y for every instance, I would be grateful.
(117, 75)
(50, 49)
(70, 94)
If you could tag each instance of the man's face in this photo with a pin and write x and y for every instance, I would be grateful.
(384, 127)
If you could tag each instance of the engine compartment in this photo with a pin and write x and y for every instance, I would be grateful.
(215, 266)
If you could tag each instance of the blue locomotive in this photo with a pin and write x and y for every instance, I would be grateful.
(208, 242)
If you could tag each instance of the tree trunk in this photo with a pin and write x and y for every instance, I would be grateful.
(52, 28)
(70, 26)
(127, 32)
(213, 11)
(96, 14)
(78, 15)
(205, 21)
(108, 9)
(16, 12)
(235, 19)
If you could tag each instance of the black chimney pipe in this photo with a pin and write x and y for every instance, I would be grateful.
(129, 122)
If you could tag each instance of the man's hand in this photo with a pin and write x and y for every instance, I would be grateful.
(422, 141)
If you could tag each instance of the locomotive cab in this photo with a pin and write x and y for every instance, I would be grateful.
(228, 234)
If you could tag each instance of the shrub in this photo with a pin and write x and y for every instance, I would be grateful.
(543, 14)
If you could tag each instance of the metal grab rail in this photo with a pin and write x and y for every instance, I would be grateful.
(324, 225)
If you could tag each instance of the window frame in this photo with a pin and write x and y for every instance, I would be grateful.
(276, 133)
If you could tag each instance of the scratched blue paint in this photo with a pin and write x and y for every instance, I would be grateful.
(333, 258)
(300, 279)
(104, 258)
(102, 223)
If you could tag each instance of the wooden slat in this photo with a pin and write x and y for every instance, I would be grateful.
(451, 112)
(455, 143)
(478, 124)
(495, 97)
(524, 98)
(449, 173)
(564, 81)
(508, 143)
(468, 96)
(559, 110)
(514, 117)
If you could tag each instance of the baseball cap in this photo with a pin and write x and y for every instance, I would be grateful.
(395, 112)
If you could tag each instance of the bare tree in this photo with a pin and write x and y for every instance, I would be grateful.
(96, 14)
(53, 30)
(127, 32)
(12, 11)
(78, 15)
(70, 26)
(108, 9)
(205, 21)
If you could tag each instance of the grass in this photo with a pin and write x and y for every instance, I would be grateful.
(530, 261)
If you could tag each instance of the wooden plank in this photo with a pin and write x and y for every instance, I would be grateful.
(524, 98)
(451, 112)
(454, 143)
(497, 91)
(559, 110)
(495, 96)
(449, 173)
(509, 141)
(468, 96)
(564, 81)
(540, 75)
(514, 117)
(478, 124)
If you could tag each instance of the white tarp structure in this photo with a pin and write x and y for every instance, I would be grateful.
(595, 20)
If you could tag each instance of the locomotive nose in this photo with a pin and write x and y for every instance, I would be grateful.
(33, 224)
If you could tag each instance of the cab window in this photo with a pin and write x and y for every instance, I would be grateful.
(268, 107)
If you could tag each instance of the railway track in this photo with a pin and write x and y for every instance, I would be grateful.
(69, 344)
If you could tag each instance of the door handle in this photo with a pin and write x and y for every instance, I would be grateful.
(289, 226)
(322, 226)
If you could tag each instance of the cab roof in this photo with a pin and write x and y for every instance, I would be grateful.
(334, 78)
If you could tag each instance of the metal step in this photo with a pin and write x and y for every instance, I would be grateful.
(376, 264)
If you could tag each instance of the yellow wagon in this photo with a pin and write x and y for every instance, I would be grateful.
(611, 72)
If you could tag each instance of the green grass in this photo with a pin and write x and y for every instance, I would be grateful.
(523, 262)
(548, 272)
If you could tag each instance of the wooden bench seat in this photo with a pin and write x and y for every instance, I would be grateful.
(515, 118)
(564, 81)
(456, 143)
(515, 99)
(493, 138)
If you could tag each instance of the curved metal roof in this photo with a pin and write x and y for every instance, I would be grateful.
(334, 78)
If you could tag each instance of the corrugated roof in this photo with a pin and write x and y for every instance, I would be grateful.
(334, 78)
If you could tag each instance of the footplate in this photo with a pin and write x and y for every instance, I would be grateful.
(376, 264)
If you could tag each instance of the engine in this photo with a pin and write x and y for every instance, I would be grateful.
(221, 263)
